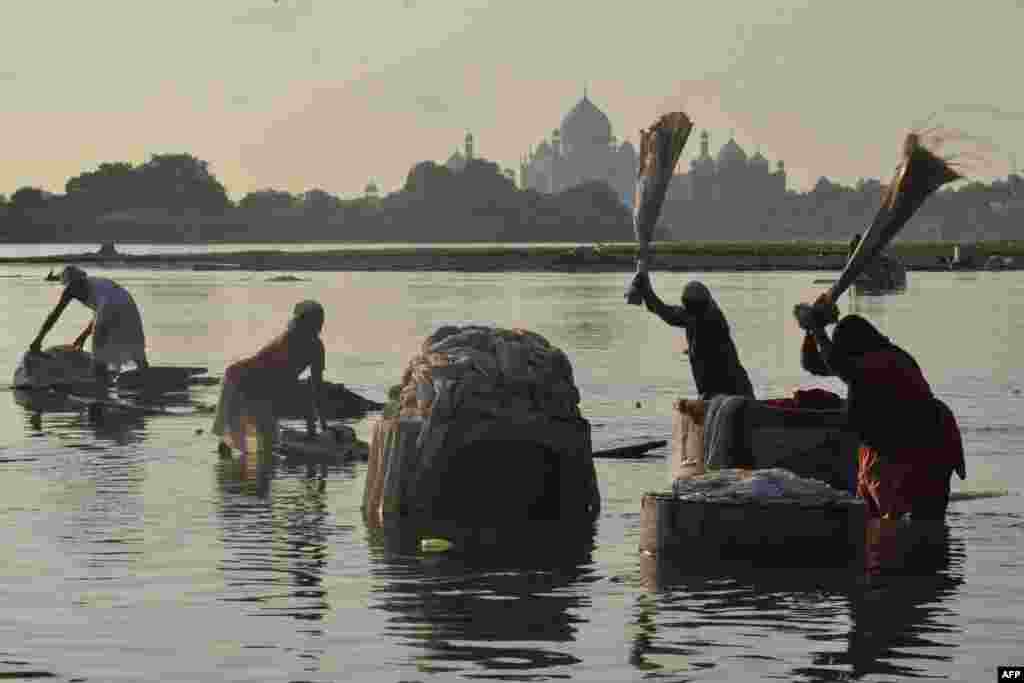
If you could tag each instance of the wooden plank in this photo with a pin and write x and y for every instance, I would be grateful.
(108, 405)
(158, 375)
(957, 496)
(152, 378)
(626, 452)
(203, 381)
(75, 399)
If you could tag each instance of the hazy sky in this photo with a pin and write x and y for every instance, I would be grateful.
(298, 94)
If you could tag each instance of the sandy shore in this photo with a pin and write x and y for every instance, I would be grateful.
(462, 260)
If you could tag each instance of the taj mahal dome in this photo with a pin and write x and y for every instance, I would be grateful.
(583, 148)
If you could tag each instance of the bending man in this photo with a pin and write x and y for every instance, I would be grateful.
(713, 358)
(253, 388)
(116, 327)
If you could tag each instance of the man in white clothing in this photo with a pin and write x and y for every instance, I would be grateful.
(116, 328)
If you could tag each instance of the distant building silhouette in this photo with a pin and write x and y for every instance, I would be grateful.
(731, 176)
(729, 196)
(457, 161)
(580, 150)
(583, 148)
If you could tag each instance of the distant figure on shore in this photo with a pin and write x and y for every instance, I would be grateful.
(910, 441)
(107, 249)
(253, 388)
(854, 243)
(116, 327)
(714, 360)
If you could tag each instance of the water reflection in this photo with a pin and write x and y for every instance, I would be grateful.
(98, 470)
(87, 432)
(498, 607)
(101, 492)
(63, 416)
(50, 414)
(897, 616)
(893, 616)
(276, 533)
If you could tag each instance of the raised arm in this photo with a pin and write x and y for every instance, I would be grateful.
(841, 364)
(673, 315)
(817, 354)
(51, 320)
(810, 357)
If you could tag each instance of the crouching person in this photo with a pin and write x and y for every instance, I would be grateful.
(253, 388)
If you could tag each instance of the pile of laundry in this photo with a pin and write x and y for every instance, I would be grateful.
(739, 485)
(489, 371)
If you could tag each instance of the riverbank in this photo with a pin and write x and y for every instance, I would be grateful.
(618, 257)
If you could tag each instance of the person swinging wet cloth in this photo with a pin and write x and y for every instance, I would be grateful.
(714, 361)
(910, 441)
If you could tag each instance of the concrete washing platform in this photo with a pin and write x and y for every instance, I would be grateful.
(779, 532)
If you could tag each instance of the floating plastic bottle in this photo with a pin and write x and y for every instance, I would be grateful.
(435, 545)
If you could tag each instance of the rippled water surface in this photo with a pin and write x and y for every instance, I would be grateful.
(130, 553)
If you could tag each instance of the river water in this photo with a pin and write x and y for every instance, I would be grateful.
(130, 553)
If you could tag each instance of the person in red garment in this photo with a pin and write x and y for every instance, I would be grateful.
(252, 385)
(910, 441)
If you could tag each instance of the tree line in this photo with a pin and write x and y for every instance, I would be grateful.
(967, 211)
(176, 197)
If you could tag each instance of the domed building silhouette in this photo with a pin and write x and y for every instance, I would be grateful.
(581, 149)
(730, 176)
(458, 160)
